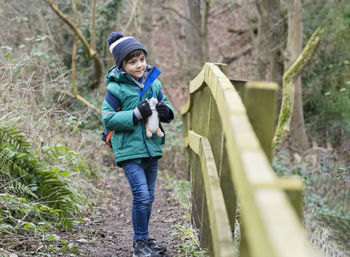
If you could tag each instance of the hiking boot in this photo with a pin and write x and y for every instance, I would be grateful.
(141, 248)
(156, 247)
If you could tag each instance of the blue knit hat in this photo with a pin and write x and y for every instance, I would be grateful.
(121, 46)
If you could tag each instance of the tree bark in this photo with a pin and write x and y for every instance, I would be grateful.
(298, 137)
(92, 25)
(176, 46)
(289, 79)
(195, 56)
(145, 35)
(204, 34)
(270, 40)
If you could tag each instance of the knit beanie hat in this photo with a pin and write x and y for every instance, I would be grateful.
(121, 46)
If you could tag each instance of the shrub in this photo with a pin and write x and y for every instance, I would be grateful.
(24, 175)
(327, 80)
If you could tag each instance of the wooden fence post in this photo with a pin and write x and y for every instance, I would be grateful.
(260, 102)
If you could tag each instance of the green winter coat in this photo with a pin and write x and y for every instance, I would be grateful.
(130, 141)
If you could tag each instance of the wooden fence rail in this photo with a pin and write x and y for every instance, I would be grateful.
(228, 135)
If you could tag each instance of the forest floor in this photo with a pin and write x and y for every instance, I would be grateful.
(108, 229)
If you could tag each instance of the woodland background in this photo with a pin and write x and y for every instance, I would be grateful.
(54, 168)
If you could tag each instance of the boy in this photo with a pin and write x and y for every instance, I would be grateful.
(136, 153)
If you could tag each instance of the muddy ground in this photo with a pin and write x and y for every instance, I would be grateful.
(108, 230)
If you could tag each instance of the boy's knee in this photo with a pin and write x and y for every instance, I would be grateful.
(142, 197)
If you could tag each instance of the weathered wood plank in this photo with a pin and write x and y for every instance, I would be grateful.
(197, 190)
(239, 85)
(227, 188)
(197, 82)
(260, 103)
(221, 236)
(220, 227)
(186, 108)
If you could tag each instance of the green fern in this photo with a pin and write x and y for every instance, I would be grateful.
(26, 176)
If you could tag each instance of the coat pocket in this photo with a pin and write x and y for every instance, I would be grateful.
(158, 140)
(120, 138)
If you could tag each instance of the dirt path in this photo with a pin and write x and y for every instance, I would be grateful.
(108, 230)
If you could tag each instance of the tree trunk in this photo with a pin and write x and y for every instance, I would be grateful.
(195, 57)
(145, 35)
(270, 41)
(204, 34)
(298, 136)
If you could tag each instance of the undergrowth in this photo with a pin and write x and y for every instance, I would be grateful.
(326, 80)
(36, 193)
(172, 174)
(326, 201)
(185, 232)
(173, 150)
(44, 176)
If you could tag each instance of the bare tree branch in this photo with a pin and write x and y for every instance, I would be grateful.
(70, 23)
(238, 31)
(182, 16)
(134, 5)
(243, 51)
(92, 53)
(80, 98)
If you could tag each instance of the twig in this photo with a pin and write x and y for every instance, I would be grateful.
(80, 98)
(243, 51)
(238, 31)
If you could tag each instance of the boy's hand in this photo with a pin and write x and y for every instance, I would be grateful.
(163, 111)
(143, 110)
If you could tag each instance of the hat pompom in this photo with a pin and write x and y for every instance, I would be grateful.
(114, 36)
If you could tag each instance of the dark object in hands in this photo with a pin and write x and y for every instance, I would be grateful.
(144, 109)
(163, 111)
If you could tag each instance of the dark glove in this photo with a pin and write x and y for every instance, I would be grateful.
(163, 111)
(143, 110)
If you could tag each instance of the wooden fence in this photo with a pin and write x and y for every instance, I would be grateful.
(228, 135)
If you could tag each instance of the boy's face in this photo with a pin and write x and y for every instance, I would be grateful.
(136, 66)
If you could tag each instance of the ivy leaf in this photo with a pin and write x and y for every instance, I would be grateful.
(42, 228)
(54, 237)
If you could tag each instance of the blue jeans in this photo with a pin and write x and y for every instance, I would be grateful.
(142, 179)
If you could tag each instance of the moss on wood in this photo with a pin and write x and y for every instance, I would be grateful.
(289, 78)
